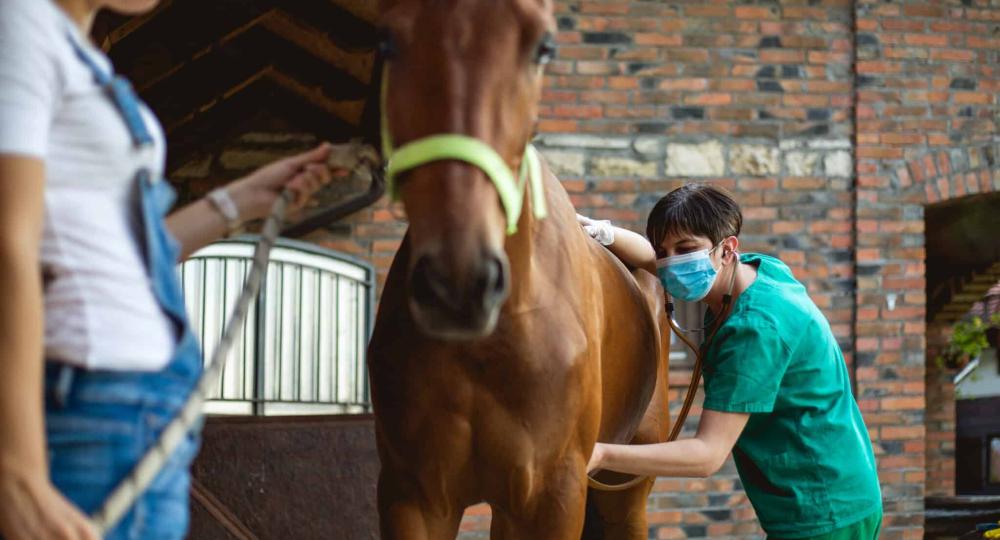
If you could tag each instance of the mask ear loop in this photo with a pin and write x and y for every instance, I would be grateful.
(727, 299)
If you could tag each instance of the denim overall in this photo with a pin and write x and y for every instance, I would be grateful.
(100, 423)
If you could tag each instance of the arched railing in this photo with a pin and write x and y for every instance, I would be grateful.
(302, 350)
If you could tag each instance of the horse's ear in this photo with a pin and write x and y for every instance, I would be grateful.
(371, 132)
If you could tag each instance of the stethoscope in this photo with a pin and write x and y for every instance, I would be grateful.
(681, 332)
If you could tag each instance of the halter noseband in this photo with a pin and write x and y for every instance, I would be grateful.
(470, 150)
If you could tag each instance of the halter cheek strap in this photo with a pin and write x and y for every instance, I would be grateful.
(453, 146)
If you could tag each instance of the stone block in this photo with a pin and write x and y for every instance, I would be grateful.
(585, 141)
(754, 159)
(828, 144)
(838, 164)
(647, 146)
(619, 166)
(564, 163)
(801, 163)
(701, 159)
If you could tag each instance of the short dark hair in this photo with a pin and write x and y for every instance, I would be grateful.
(697, 209)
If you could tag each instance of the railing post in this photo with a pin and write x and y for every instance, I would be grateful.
(260, 335)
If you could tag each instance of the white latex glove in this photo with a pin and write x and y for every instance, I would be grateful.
(600, 230)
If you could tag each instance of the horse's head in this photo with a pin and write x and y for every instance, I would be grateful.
(471, 68)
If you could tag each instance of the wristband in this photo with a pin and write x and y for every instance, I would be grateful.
(226, 206)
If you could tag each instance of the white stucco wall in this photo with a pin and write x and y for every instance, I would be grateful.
(984, 381)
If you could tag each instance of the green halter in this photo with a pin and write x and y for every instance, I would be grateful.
(472, 151)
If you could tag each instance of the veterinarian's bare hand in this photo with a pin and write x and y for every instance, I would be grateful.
(596, 458)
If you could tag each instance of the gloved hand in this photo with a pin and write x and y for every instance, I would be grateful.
(600, 230)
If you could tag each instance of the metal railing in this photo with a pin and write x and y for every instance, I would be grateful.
(302, 350)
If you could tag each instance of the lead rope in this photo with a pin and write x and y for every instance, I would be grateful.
(134, 485)
(727, 301)
(129, 490)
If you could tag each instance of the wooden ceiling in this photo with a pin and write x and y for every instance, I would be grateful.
(208, 68)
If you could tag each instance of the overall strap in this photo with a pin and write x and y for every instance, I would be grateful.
(121, 93)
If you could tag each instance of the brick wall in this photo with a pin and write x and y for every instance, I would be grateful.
(940, 421)
(926, 132)
(833, 122)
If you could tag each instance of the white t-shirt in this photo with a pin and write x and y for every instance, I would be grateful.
(100, 312)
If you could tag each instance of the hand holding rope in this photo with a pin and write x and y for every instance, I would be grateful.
(364, 163)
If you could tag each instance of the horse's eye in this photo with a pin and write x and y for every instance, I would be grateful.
(546, 50)
(387, 48)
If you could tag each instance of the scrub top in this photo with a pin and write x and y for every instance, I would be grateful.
(804, 458)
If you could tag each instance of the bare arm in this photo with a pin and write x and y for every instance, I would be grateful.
(200, 223)
(700, 456)
(634, 250)
(29, 505)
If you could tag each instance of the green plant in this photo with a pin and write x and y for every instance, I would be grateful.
(968, 339)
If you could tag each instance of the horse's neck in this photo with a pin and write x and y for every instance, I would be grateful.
(530, 282)
(521, 252)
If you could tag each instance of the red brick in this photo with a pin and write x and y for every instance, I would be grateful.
(756, 12)
(977, 42)
(623, 83)
(709, 99)
(924, 10)
(904, 25)
(604, 8)
(782, 56)
(977, 98)
(683, 84)
(666, 40)
(953, 54)
(927, 40)
(876, 66)
(707, 10)
(577, 111)
(797, 12)
(902, 138)
(557, 126)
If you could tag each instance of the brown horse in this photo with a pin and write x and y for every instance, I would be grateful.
(498, 361)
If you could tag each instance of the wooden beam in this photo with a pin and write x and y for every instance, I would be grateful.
(366, 10)
(347, 111)
(134, 24)
(357, 64)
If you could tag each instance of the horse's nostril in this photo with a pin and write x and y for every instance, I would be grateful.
(431, 287)
(494, 281)
(421, 281)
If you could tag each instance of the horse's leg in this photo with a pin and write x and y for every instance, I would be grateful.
(621, 515)
(405, 515)
(555, 513)
(618, 515)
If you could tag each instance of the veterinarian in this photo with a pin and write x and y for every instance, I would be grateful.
(777, 392)
(88, 278)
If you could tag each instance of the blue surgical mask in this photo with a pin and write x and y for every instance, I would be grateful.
(687, 277)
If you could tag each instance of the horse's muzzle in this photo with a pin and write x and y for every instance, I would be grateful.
(452, 307)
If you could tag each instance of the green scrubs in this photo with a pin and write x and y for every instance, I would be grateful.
(804, 458)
